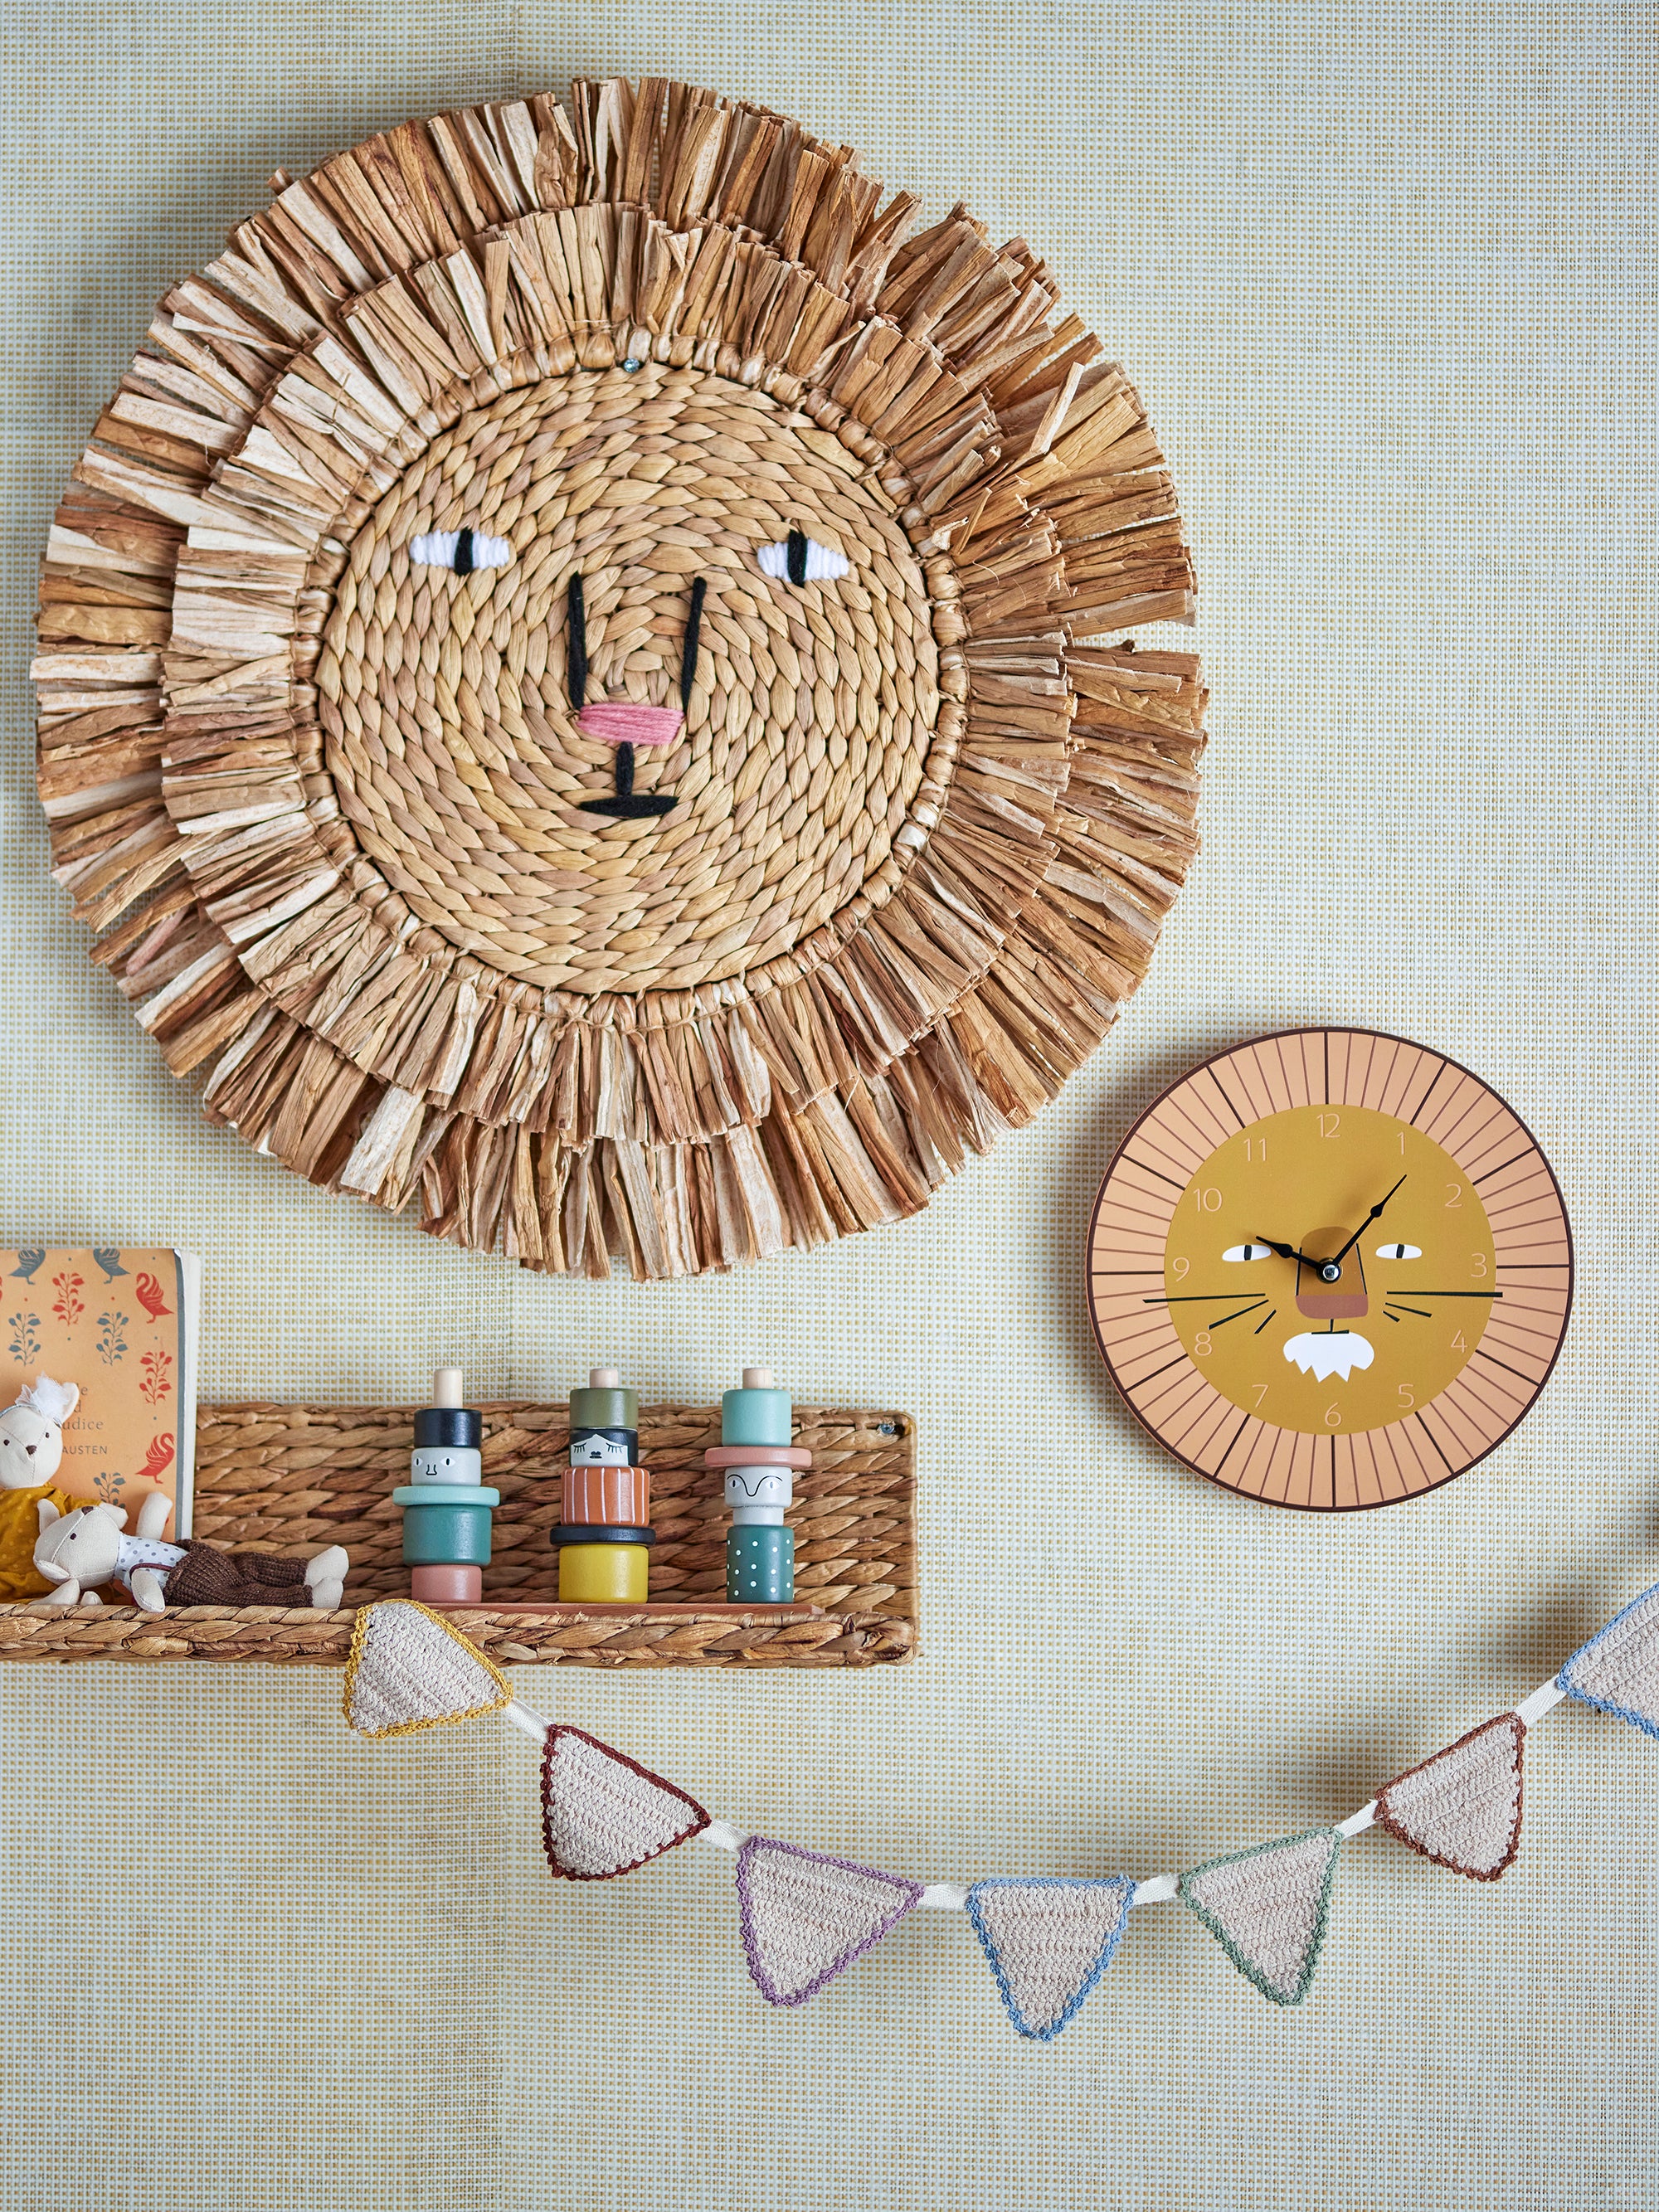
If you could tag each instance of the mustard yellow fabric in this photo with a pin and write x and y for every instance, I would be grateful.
(20, 1524)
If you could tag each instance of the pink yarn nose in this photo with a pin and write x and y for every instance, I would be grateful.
(620, 722)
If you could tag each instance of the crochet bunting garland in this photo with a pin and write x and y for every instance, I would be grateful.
(602, 1815)
(806, 1916)
(410, 1669)
(1461, 1809)
(1618, 1670)
(1049, 1942)
(1267, 1908)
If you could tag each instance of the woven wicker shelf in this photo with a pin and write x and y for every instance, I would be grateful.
(294, 1478)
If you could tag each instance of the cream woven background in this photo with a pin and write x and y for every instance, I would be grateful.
(1384, 274)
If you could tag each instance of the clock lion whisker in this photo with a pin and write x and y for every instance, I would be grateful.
(1417, 1311)
(1262, 1324)
(1239, 1315)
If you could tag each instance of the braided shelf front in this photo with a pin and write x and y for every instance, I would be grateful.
(333, 807)
(293, 1478)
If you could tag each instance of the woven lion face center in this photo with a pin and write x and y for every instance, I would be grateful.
(455, 747)
(573, 678)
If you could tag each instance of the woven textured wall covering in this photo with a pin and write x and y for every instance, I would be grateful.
(854, 499)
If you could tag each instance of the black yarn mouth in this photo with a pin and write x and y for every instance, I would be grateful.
(623, 803)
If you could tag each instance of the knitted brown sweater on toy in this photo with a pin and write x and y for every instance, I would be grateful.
(77, 1550)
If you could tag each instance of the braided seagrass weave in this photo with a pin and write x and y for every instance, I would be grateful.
(290, 1478)
(818, 515)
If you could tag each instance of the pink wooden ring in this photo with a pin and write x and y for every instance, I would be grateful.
(757, 1455)
(447, 1585)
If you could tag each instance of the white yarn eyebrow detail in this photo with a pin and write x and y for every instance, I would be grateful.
(822, 565)
(436, 550)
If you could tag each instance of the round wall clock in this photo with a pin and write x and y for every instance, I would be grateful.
(1330, 1269)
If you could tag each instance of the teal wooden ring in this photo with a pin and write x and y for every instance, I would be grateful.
(446, 1493)
(447, 1536)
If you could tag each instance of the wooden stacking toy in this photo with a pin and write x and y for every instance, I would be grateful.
(759, 1463)
(604, 1536)
(446, 1506)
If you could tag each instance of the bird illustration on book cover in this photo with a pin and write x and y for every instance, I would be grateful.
(123, 1350)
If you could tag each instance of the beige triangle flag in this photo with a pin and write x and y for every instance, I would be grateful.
(1461, 1809)
(806, 1916)
(1267, 1909)
(410, 1669)
(1618, 1671)
(1048, 1941)
(602, 1815)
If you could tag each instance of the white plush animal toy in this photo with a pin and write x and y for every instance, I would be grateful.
(32, 1433)
(77, 1550)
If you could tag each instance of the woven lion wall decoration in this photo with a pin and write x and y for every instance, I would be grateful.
(564, 684)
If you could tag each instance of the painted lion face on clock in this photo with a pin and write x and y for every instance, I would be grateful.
(1330, 1268)
(633, 778)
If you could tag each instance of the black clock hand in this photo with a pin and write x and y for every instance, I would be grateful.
(1338, 1258)
(1289, 1252)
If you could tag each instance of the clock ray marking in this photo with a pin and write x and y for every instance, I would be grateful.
(1414, 1116)
(1146, 1170)
(1520, 1373)
(1141, 1382)
(1527, 1152)
(1244, 1420)
(1227, 1096)
(1448, 1114)
(1419, 1417)
(1453, 1140)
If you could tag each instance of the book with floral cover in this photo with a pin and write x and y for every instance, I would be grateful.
(120, 1322)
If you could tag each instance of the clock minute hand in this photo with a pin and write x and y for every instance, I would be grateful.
(1338, 1258)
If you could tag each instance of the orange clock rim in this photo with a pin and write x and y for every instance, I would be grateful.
(1326, 1029)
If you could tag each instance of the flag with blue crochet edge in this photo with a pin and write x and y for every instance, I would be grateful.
(1049, 1939)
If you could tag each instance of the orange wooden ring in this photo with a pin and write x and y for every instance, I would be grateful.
(757, 1455)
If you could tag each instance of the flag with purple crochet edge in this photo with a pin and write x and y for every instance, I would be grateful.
(806, 1915)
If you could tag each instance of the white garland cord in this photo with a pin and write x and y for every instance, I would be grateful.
(951, 1897)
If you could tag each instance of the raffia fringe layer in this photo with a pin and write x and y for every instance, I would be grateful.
(265, 751)
(290, 1479)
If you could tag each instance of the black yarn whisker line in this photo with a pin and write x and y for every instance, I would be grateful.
(575, 644)
(693, 639)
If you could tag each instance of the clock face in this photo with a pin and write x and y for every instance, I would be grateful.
(1329, 1269)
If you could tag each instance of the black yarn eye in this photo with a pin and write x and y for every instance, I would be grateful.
(795, 557)
(461, 551)
(575, 644)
